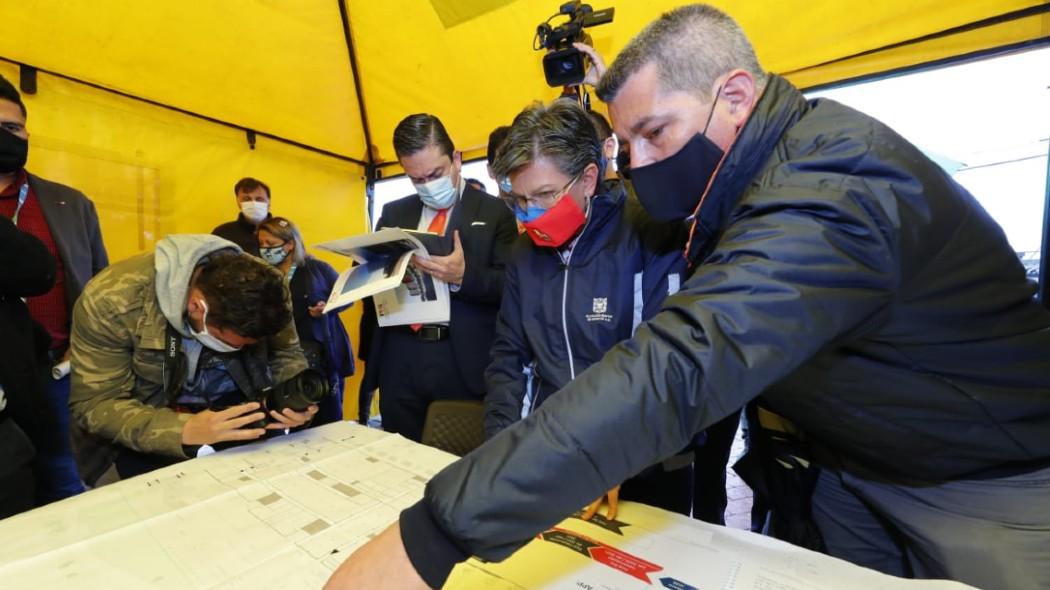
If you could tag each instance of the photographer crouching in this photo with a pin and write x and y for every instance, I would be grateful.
(180, 349)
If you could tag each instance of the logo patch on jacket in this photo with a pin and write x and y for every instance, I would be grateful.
(599, 309)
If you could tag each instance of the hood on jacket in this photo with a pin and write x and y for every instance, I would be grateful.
(175, 259)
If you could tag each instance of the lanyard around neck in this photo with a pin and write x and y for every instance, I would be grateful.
(23, 194)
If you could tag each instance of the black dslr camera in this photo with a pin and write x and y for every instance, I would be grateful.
(298, 393)
(564, 65)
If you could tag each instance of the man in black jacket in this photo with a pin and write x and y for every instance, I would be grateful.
(415, 365)
(253, 201)
(25, 422)
(838, 273)
(66, 222)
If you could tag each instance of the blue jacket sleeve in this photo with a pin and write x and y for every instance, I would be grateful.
(505, 381)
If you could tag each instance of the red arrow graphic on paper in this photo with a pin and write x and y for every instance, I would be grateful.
(635, 567)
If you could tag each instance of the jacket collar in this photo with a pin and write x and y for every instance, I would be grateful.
(777, 110)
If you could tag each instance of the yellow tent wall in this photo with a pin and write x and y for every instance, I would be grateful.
(152, 172)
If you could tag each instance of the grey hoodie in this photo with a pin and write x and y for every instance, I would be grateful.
(175, 260)
(120, 394)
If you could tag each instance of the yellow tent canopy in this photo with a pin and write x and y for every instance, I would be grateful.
(283, 67)
(147, 107)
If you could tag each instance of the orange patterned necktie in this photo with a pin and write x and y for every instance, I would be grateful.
(437, 225)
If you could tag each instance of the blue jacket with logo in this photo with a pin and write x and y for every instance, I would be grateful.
(563, 309)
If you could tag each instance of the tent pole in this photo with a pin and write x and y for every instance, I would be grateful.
(370, 164)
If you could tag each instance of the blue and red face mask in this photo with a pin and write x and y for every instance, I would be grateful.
(553, 227)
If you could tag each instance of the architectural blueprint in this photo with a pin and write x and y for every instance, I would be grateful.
(285, 513)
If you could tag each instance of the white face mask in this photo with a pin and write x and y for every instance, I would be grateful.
(205, 337)
(255, 211)
(439, 193)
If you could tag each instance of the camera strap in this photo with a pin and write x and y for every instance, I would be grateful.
(172, 357)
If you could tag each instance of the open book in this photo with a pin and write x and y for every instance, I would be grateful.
(402, 293)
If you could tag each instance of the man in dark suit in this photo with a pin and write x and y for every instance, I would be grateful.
(66, 222)
(415, 365)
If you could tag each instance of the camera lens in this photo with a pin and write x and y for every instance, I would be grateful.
(298, 393)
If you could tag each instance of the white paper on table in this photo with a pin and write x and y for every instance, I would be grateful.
(286, 512)
(278, 514)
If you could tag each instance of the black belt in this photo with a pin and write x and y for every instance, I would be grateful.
(429, 332)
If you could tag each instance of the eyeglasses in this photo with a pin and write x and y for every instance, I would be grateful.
(543, 200)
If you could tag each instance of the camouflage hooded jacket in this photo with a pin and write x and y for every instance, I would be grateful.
(119, 394)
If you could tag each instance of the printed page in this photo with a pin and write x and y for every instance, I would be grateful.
(420, 299)
(403, 294)
(367, 279)
(646, 548)
(285, 513)
(278, 514)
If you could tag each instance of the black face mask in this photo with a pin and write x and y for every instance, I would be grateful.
(671, 188)
(13, 152)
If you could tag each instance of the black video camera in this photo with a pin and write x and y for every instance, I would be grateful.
(298, 393)
(564, 65)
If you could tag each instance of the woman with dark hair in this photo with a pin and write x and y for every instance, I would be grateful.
(590, 267)
(322, 336)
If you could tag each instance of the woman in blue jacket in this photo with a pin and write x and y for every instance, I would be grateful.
(322, 336)
(589, 268)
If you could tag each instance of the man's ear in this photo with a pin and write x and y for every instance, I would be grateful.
(739, 93)
(194, 309)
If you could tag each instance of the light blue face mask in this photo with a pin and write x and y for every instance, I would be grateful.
(439, 193)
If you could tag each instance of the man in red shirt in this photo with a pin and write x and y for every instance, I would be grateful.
(66, 222)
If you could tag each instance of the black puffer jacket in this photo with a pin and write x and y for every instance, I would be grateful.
(844, 276)
(28, 269)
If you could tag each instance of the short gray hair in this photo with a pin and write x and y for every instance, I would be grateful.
(561, 132)
(691, 47)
